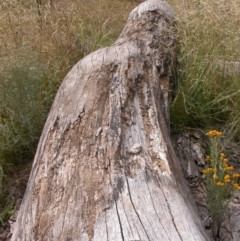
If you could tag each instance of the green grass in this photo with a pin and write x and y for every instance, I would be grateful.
(208, 87)
(25, 98)
(6, 208)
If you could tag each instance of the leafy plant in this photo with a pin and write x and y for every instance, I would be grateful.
(222, 180)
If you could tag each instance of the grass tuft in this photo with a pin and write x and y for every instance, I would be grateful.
(208, 80)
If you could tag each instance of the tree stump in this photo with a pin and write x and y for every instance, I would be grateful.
(105, 168)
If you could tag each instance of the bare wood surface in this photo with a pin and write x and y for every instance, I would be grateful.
(105, 168)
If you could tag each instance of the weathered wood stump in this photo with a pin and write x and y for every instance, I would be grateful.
(105, 168)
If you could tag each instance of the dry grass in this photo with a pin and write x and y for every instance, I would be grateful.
(62, 34)
(209, 72)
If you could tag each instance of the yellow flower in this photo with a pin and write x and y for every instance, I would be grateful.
(229, 168)
(236, 186)
(219, 184)
(214, 133)
(222, 155)
(208, 158)
(227, 178)
(225, 160)
(207, 170)
(235, 175)
(225, 166)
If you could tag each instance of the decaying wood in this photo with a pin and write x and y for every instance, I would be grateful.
(105, 168)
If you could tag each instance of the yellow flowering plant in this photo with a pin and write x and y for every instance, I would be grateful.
(221, 177)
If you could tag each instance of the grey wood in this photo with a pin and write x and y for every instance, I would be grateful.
(105, 168)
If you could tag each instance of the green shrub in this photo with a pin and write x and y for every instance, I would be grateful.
(24, 102)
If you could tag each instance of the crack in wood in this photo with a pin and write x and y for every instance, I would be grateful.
(106, 226)
(105, 209)
(170, 212)
(126, 214)
(119, 220)
(134, 208)
(154, 206)
(63, 222)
